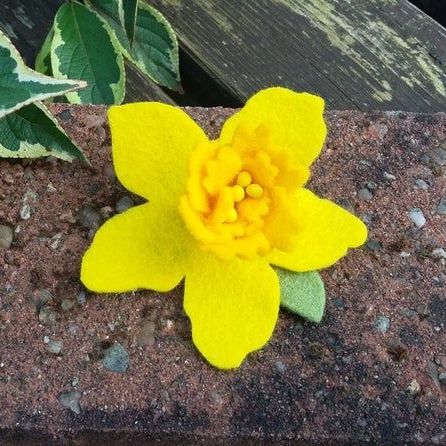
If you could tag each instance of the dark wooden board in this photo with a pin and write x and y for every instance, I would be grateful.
(26, 23)
(366, 54)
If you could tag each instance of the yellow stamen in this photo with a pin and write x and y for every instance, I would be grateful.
(244, 178)
(238, 193)
(254, 190)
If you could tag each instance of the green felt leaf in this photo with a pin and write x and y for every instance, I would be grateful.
(32, 132)
(84, 47)
(43, 59)
(20, 85)
(129, 12)
(302, 293)
(155, 48)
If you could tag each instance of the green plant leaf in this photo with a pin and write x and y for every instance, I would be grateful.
(155, 46)
(302, 293)
(43, 59)
(32, 132)
(129, 10)
(20, 85)
(84, 47)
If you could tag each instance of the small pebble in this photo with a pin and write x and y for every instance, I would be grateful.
(441, 208)
(417, 217)
(67, 304)
(64, 115)
(439, 253)
(81, 298)
(374, 245)
(47, 316)
(89, 218)
(438, 156)
(124, 203)
(414, 387)
(116, 358)
(6, 236)
(404, 254)
(421, 184)
(442, 377)
(146, 334)
(365, 194)
(382, 324)
(70, 400)
(280, 366)
(389, 176)
(55, 347)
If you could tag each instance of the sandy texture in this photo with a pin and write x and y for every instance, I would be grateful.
(373, 370)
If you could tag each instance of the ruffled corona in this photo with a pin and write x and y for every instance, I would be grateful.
(240, 196)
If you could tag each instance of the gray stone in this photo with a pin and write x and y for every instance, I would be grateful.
(414, 387)
(439, 253)
(81, 298)
(442, 377)
(146, 334)
(6, 236)
(280, 366)
(124, 203)
(438, 156)
(89, 218)
(55, 347)
(382, 324)
(421, 184)
(67, 304)
(374, 245)
(365, 194)
(417, 217)
(441, 208)
(116, 358)
(70, 400)
(47, 316)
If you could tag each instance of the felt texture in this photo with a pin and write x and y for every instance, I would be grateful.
(222, 239)
(326, 232)
(294, 120)
(152, 143)
(302, 293)
(233, 307)
(145, 247)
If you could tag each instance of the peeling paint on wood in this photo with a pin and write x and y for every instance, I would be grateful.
(356, 54)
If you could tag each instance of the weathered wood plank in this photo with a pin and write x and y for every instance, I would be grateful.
(382, 54)
(27, 22)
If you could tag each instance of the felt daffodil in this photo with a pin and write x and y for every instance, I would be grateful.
(220, 213)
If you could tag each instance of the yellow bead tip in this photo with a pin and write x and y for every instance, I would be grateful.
(254, 190)
(244, 178)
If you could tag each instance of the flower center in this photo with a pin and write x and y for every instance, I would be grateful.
(240, 197)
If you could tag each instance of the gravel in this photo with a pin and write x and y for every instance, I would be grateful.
(439, 253)
(441, 208)
(421, 184)
(47, 316)
(89, 218)
(124, 203)
(116, 358)
(417, 217)
(365, 194)
(55, 347)
(70, 400)
(438, 156)
(67, 304)
(382, 324)
(6, 236)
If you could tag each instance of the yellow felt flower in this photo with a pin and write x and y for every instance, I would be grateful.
(220, 213)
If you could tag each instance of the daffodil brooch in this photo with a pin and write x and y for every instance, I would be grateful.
(231, 216)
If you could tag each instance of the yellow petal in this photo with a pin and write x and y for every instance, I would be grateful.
(145, 247)
(151, 144)
(325, 233)
(293, 120)
(233, 307)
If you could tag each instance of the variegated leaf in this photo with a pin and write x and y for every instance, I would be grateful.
(83, 46)
(32, 132)
(155, 47)
(20, 85)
